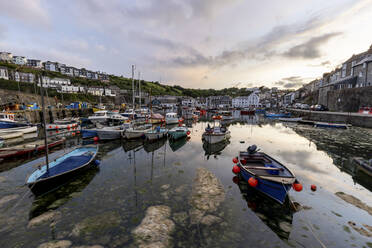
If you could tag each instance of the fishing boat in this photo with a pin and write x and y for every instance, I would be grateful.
(28, 148)
(115, 117)
(24, 129)
(171, 118)
(331, 125)
(265, 174)
(99, 116)
(279, 115)
(136, 132)
(10, 135)
(109, 133)
(62, 169)
(7, 120)
(87, 133)
(294, 119)
(217, 133)
(178, 132)
(157, 133)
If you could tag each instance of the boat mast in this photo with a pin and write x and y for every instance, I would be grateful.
(133, 92)
(139, 87)
(44, 123)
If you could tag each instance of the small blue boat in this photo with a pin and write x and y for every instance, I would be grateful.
(279, 115)
(265, 174)
(62, 169)
(331, 125)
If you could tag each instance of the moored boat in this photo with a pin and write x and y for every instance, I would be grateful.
(10, 135)
(178, 132)
(265, 174)
(136, 132)
(8, 120)
(294, 119)
(24, 129)
(279, 115)
(62, 169)
(331, 125)
(247, 111)
(157, 133)
(27, 148)
(110, 133)
(171, 118)
(99, 116)
(215, 134)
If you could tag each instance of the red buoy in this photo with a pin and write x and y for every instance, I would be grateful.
(56, 127)
(253, 182)
(235, 160)
(236, 179)
(78, 132)
(68, 127)
(73, 134)
(188, 133)
(243, 161)
(297, 186)
(313, 187)
(236, 169)
(96, 138)
(50, 127)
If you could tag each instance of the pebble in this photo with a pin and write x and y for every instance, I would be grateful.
(56, 244)
(51, 216)
(7, 199)
(165, 186)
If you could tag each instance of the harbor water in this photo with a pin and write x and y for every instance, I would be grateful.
(201, 202)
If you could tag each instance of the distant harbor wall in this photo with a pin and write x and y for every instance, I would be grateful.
(35, 116)
(355, 119)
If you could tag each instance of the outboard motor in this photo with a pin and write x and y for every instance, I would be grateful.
(252, 149)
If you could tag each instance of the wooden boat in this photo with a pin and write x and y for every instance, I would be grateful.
(27, 148)
(331, 125)
(265, 174)
(136, 132)
(279, 115)
(11, 135)
(110, 133)
(24, 130)
(215, 134)
(178, 132)
(62, 169)
(290, 119)
(8, 120)
(157, 133)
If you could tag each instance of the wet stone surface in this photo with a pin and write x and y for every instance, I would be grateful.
(169, 194)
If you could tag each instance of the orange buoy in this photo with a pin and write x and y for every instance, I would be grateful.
(313, 187)
(297, 186)
(73, 134)
(96, 138)
(236, 169)
(253, 182)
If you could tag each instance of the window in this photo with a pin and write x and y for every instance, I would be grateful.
(360, 74)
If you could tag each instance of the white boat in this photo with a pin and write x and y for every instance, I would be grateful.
(157, 133)
(290, 119)
(226, 115)
(136, 132)
(171, 118)
(110, 133)
(8, 120)
(99, 116)
(24, 130)
(188, 113)
(11, 135)
(117, 117)
(55, 126)
(215, 134)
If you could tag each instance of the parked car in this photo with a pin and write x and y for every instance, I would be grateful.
(297, 105)
(320, 107)
(312, 107)
(305, 106)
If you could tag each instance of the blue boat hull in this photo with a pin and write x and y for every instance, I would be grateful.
(6, 124)
(277, 115)
(276, 191)
(87, 134)
(331, 126)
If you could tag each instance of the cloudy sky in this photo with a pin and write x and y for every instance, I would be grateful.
(192, 43)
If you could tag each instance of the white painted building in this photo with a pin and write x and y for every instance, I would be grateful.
(246, 101)
(4, 73)
(34, 63)
(23, 77)
(5, 56)
(19, 60)
(190, 102)
(55, 83)
(51, 66)
(95, 91)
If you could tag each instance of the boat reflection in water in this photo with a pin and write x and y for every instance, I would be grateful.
(61, 195)
(215, 149)
(276, 216)
(177, 144)
(153, 146)
(133, 144)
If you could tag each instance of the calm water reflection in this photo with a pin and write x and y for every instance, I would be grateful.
(112, 200)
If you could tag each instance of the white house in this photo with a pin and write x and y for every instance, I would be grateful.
(23, 77)
(60, 81)
(95, 91)
(5, 56)
(4, 73)
(34, 63)
(19, 60)
(246, 101)
(190, 102)
(51, 66)
(67, 70)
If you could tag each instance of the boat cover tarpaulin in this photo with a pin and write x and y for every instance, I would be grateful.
(68, 164)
